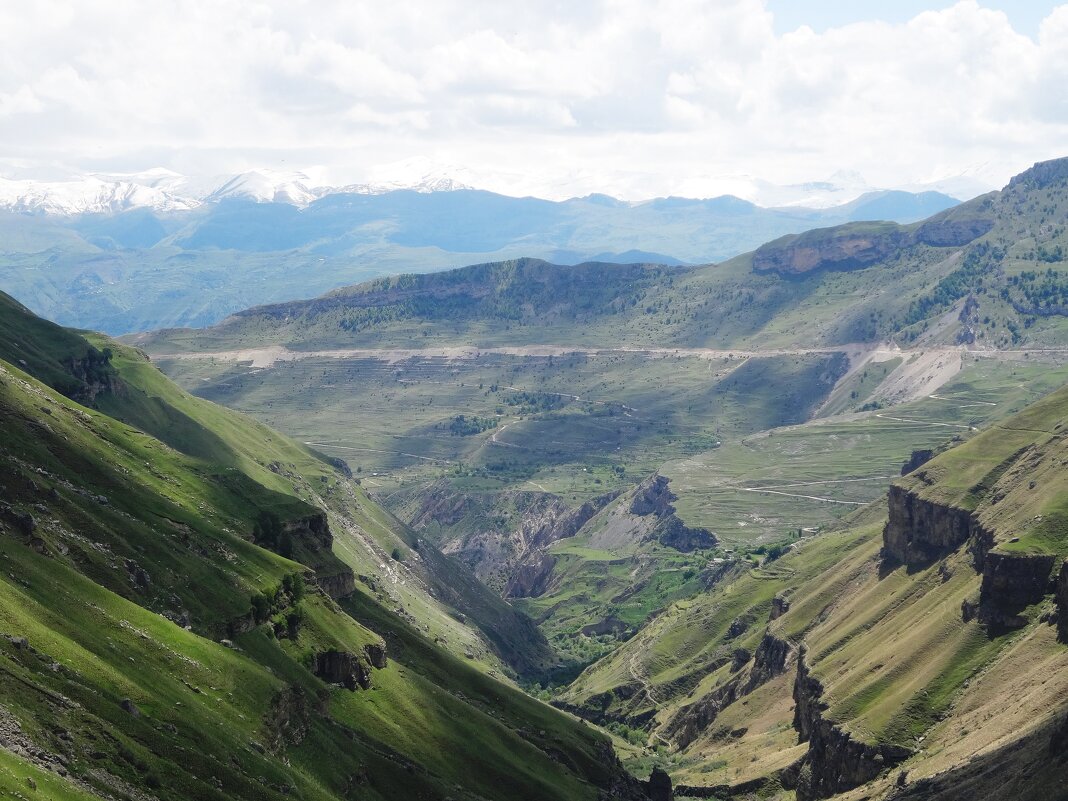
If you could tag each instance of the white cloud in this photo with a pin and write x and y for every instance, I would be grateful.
(635, 97)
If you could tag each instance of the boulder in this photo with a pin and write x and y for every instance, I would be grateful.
(660, 786)
(343, 668)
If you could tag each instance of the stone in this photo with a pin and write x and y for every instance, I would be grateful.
(376, 655)
(341, 667)
(130, 707)
(660, 786)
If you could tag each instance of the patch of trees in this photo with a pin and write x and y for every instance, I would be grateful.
(980, 261)
(467, 426)
(281, 606)
(534, 402)
(1044, 293)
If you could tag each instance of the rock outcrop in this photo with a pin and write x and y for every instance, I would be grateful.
(944, 230)
(336, 585)
(287, 720)
(313, 532)
(769, 660)
(659, 786)
(919, 531)
(1061, 594)
(835, 761)
(532, 578)
(655, 498)
(343, 668)
(854, 246)
(846, 247)
(692, 720)
(500, 535)
(1041, 175)
(917, 460)
(376, 655)
(1012, 582)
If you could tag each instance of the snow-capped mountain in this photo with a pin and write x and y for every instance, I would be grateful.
(164, 190)
(87, 195)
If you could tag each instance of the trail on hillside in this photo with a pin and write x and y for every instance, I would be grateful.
(799, 495)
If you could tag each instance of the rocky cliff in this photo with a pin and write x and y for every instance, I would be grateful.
(854, 246)
(846, 247)
(919, 531)
(1061, 594)
(768, 661)
(502, 538)
(835, 761)
(654, 498)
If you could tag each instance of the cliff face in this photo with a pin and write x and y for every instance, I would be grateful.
(532, 578)
(1012, 582)
(770, 660)
(1062, 602)
(835, 761)
(1041, 175)
(654, 498)
(313, 532)
(337, 585)
(918, 531)
(846, 248)
(351, 671)
(854, 246)
(501, 538)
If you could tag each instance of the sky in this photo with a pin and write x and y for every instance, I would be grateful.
(634, 98)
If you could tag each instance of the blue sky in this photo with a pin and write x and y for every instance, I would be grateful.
(1025, 15)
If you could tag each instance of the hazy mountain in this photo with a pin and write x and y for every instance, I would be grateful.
(135, 252)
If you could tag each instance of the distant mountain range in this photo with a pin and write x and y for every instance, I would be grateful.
(123, 253)
(165, 191)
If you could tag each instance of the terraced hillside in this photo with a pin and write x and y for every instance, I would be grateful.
(772, 414)
(182, 616)
(918, 652)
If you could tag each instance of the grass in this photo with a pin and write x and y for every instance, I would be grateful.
(129, 531)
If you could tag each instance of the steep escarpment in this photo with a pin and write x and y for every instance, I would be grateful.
(654, 499)
(997, 498)
(750, 671)
(835, 761)
(845, 247)
(854, 246)
(919, 531)
(502, 537)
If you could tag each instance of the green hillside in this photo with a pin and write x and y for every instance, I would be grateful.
(154, 649)
(827, 637)
(857, 660)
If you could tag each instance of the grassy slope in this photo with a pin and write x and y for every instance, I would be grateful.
(238, 448)
(1015, 271)
(94, 641)
(897, 662)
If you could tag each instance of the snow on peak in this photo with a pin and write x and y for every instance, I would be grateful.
(161, 189)
(86, 195)
(267, 186)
